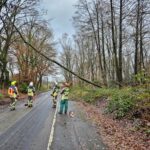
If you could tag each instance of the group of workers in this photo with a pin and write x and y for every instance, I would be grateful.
(14, 94)
(64, 97)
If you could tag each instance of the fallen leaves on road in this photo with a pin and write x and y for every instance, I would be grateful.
(118, 135)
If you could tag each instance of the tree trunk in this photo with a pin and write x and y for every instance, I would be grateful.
(136, 60)
(114, 40)
(142, 66)
(103, 51)
(120, 46)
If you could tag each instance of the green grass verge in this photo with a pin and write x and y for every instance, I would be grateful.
(1, 96)
(120, 101)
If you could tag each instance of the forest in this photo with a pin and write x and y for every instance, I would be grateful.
(107, 60)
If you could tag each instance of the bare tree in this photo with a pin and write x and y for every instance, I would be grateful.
(11, 11)
(120, 33)
(67, 56)
(31, 66)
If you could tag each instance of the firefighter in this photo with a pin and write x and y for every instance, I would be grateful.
(31, 93)
(13, 94)
(64, 99)
(54, 95)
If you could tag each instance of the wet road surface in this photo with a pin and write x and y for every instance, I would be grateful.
(76, 133)
(30, 129)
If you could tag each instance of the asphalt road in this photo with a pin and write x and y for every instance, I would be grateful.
(42, 128)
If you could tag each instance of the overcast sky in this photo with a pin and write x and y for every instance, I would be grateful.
(61, 12)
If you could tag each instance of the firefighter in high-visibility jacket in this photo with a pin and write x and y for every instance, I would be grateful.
(64, 99)
(13, 94)
(31, 93)
(54, 95)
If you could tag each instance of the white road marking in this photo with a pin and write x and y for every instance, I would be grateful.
(52, 129)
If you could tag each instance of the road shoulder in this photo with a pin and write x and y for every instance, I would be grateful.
(76, 133)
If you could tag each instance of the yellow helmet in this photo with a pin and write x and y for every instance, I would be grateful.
(13, 83)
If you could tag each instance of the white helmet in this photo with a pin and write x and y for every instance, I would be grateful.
(31, 84)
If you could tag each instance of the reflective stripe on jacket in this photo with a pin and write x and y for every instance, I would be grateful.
(55, 91)
(12, 91)
(65, 93)
(30, 91)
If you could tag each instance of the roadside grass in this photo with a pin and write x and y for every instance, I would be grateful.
(89, 94)
(1, 96)
(120, 102)
(44, 88)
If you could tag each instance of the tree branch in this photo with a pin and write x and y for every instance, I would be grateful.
(55, 62)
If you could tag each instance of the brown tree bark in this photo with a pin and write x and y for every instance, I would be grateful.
(120, 44)
(136, 56)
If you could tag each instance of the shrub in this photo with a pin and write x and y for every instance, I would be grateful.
(23, 87)
(1, 96)
(89, 94)
(120, 103)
